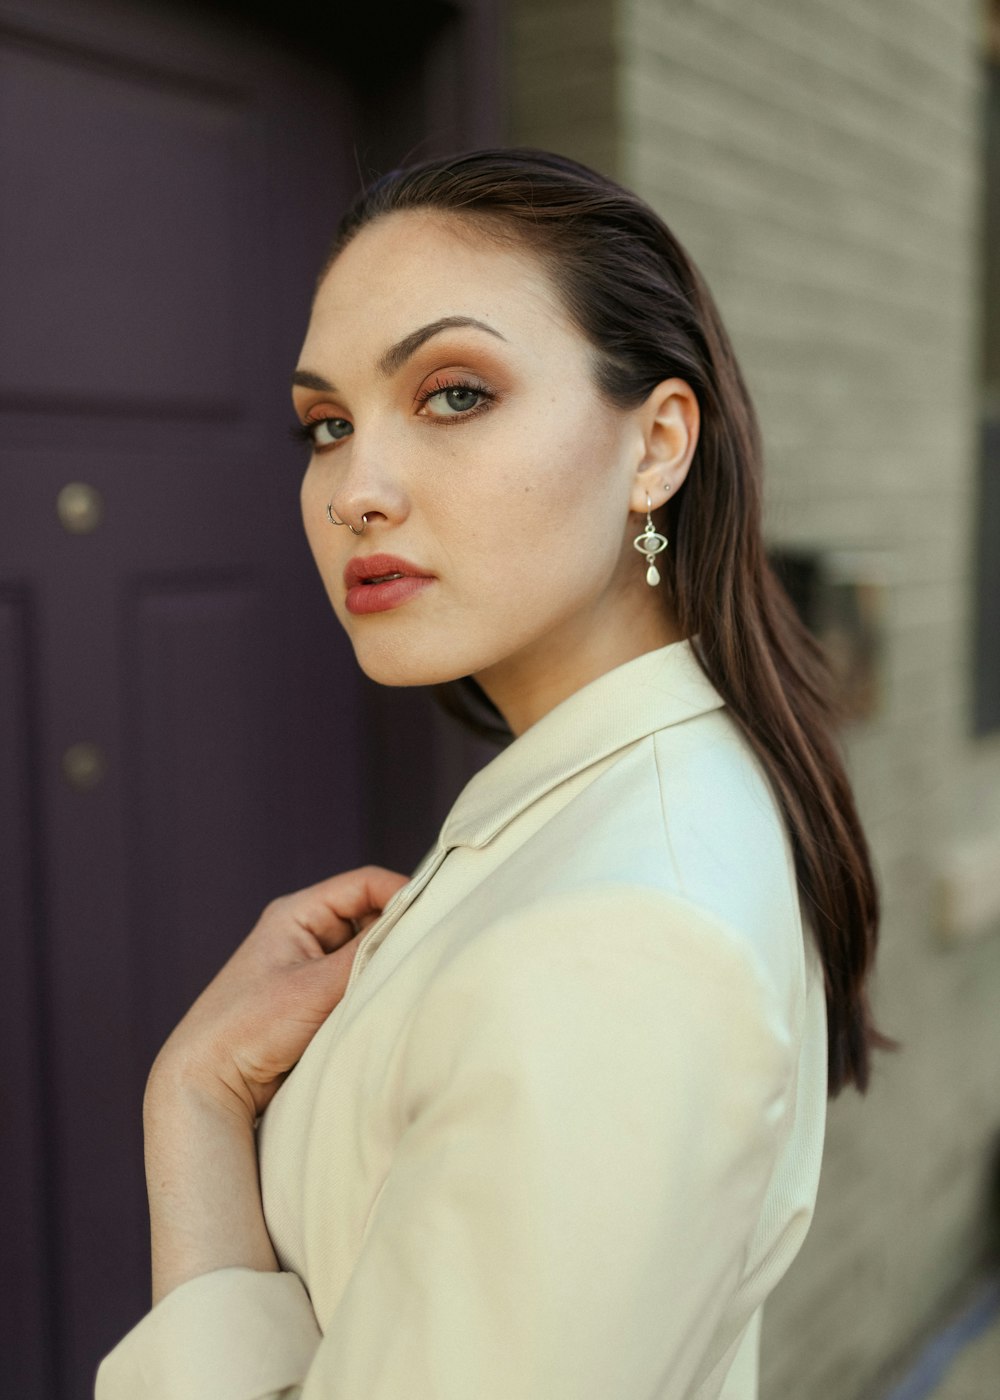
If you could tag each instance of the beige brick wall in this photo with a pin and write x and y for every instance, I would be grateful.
(820, 161)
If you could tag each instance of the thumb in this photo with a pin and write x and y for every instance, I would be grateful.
(319, 983)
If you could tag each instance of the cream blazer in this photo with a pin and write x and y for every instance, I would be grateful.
(562, 1135)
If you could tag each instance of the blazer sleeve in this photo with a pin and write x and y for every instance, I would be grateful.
(590, 1099)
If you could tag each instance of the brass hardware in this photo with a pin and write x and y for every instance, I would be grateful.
(80, 507)
(83, 766)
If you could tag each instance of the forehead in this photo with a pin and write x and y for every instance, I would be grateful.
(413, 266)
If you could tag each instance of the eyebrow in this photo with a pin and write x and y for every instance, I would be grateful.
(397, 355)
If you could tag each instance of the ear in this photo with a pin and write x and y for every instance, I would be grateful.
(669, 421)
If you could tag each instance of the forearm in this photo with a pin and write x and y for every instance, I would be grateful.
(205, 1207)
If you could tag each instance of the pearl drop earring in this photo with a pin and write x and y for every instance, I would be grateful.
(650, 543)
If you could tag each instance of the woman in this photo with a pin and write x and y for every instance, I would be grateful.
(557, 1111)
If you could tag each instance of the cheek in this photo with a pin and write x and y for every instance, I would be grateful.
(528, 463)
(563, 483)
(542, 523)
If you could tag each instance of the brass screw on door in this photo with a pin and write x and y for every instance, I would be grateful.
(80, 507)
(83, 766)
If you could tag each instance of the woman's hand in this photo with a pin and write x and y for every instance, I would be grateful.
(253, 1021)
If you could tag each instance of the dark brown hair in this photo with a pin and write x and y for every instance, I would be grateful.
(637, 297)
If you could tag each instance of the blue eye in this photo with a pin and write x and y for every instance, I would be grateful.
(461, 399)
(309, 432)
(322, 431)
(458, 397)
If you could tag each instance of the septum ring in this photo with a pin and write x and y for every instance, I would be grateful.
(329, 513)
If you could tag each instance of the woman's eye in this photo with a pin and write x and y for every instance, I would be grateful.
(454, 399)
(323, 431)
(450, 403)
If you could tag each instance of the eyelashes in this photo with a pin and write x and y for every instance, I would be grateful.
(462, 386)
(306, 432)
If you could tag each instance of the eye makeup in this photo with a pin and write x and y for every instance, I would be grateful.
(443, 384)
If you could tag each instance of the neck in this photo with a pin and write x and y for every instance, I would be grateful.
(526, 685)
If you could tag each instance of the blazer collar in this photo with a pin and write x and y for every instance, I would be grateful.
(658, 688)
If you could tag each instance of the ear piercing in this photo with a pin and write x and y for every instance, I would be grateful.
(650, 543)
(364, 520)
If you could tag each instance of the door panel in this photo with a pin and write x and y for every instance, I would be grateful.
(135, 221)
(184, 732)
(24, 1239)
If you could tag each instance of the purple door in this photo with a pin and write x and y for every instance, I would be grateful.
(183, 731)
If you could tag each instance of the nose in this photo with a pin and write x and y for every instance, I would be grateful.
(369, 487)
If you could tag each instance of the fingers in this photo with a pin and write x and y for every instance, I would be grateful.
(379, 884)
(334, 910)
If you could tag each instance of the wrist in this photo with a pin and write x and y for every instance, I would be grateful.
(202, 1180)
(176, 1086)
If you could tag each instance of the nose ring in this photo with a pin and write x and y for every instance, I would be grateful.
(329, 513)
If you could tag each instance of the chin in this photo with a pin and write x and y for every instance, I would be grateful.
(390, 662)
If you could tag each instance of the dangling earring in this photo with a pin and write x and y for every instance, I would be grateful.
(650, 544)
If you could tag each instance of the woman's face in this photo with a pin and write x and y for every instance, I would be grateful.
(484, 458)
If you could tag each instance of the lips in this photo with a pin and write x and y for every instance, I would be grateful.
(367, 568)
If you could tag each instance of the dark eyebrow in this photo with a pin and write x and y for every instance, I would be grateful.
(397, 355)
(305, 380)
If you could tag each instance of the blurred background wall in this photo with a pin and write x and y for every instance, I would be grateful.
(832, 166)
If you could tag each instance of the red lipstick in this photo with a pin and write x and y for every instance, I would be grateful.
(376, 582)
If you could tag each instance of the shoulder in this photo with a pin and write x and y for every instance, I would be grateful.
(700, 778)
(615, 928)
(703, 791)
(687, 812)
(631, 974)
